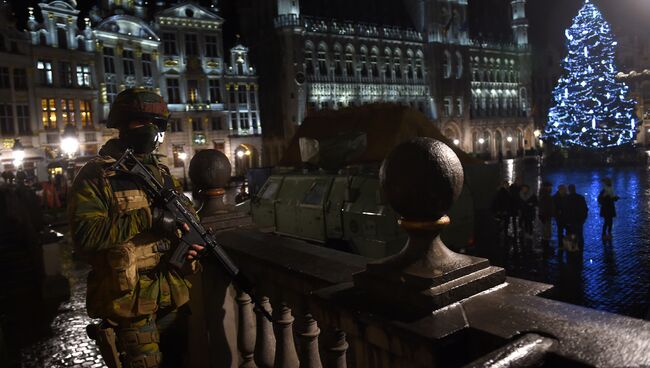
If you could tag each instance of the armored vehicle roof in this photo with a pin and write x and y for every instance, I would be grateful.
(385, 126)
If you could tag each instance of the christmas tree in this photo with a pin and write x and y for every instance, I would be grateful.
(591, 107)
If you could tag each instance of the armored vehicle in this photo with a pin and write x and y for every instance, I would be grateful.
(327, 188)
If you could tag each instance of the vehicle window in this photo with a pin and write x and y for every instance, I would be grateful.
(270, 190)
(315, 194)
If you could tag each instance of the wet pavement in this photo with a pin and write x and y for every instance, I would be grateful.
(612, 276)
(65, 343)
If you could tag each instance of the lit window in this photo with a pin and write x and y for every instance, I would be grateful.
(192, 91)
(45, 72)
(243, 120)
(83, 75)
(85, 109)
(447, 107)
(349, 65)
(322, 62)
(199, 139)
(459, 106)
(48, 113)
(68, 111)
(111, 91)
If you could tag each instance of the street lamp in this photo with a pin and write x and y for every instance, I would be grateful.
(18, 153)
(183, 156)
(70, 146)
(456, 142)
(69, 141)
(481, 141)
(509, 139)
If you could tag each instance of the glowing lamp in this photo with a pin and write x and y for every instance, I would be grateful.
(481, 141)
(69, 141)
(182, 156)
(456, 142)
(509, 139)
(18, 152)
(240, 154)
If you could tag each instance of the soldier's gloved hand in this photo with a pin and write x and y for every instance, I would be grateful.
(194, 251)
(165, 223)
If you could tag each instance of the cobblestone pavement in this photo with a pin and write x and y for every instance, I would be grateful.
(612, 276)
(67, 345)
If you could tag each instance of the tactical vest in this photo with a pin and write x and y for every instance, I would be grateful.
(143, 252)
(122, 282)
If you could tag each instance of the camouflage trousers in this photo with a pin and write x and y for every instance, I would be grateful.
(158, 340)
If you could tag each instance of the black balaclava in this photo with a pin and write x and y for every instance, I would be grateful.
(143, 140)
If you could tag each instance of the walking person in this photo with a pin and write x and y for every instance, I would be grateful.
(545, 213)
(559, 212)
(576, 215)
(528, 205)
(606, 200)
(501, 206)
(515, 205)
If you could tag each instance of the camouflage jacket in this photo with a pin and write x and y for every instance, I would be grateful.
(110, 224)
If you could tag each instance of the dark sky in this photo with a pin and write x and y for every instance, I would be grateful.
(548, 18)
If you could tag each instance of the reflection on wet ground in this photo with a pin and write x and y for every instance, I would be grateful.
(613, 276)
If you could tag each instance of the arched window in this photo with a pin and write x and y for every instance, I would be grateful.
(446, 67)
(349, 61)
(374, 68)
(388, 64)
(419, 71)
(364, 61)
(338, 62)
(322, 59)
(309, 59)
(459, 66)
(397, 63)
(409, 65)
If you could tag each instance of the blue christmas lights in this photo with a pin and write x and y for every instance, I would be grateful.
(591, 108)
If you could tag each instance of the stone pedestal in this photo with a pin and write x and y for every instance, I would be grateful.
(421, 179)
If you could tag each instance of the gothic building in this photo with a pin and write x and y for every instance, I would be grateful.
(61, 76)
(416, 53)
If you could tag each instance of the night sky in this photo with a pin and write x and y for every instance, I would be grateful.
(488, 18)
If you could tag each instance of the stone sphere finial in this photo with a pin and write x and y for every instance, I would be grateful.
(210, 169)
(421, 179)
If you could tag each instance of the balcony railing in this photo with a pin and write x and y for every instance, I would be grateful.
(426, 307)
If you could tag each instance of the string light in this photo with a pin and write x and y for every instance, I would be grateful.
(591, 107)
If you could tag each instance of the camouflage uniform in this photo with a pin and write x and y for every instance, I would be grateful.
(130, 287)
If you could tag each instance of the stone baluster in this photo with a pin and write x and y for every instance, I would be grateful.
(265, 344)
(285, 349)
(309, 355)
(246, 330)
(336, 352)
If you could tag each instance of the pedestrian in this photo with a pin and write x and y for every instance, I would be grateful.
(606, 200)
(139, 297)
(576, 215)
(501, 206)
(546, 210)
(528, 205)
(559, 212)
(516, 204)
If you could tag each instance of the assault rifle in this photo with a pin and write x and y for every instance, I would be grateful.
(171, 201)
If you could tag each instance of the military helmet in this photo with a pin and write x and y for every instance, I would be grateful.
(138, 103)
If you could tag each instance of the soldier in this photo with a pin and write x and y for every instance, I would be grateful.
(114, 224)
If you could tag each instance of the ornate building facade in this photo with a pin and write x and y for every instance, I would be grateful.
(476, 92)
(60, 75)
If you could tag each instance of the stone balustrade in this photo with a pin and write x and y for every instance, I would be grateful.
(424, 307)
